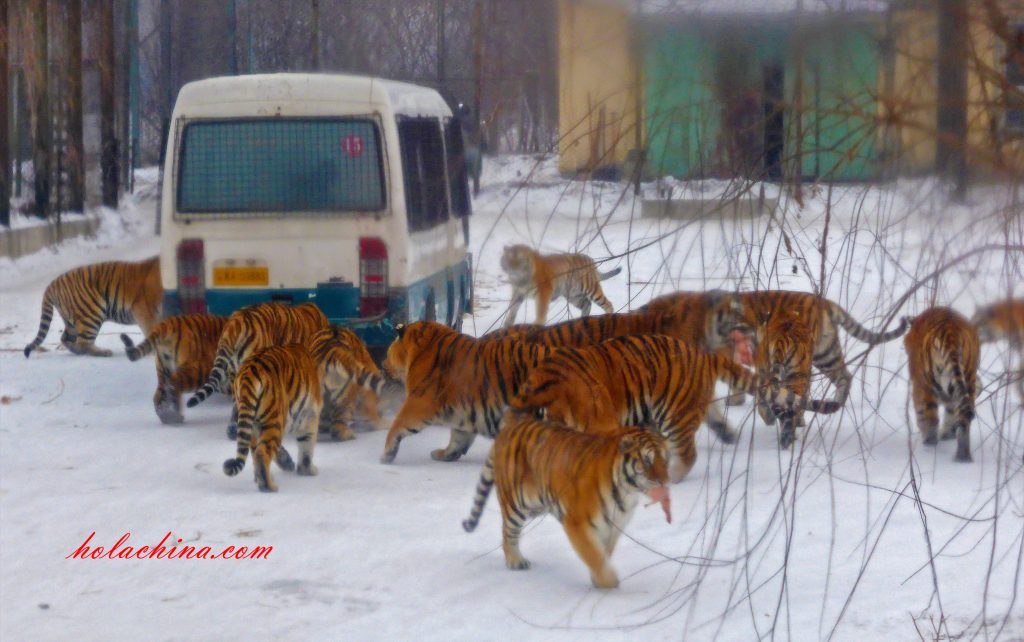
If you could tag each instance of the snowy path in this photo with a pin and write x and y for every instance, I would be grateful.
(366, 551)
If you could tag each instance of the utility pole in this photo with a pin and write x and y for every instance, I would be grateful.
(5, 139)
(315, 44)
(76, 146)
(951, 155)
(108, 139)
(440, 44)
(478, 63)
(41, 108)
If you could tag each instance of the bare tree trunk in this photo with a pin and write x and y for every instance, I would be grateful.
(108, 140)
(5, 139)
(314, 37)
(40, 108)
(951, 156)
(76, 146)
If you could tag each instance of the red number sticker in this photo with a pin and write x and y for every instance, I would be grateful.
(353, 146)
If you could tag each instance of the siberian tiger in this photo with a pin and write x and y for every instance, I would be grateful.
(705, 320)
(549, 276)
(1004, 321)
(88, 296)
(648, 380)
(455, 378)
(348, 375)
(589, 482)
(826, 354)
(277, 390)
(252, 329)
(185, 347)
(783, 359)
(943, 350)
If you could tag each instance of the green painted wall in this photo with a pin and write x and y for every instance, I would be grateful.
(699, 75)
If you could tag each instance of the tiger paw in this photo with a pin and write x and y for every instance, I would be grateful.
(233, 466)
(284, 460)
(786, 439)
(169, 415)
(443, 455)
(606, 580)
(518, 564)
(388, 456)
(342, 433)
(963, 456)
(931, 438)
(948, 434)
(309, 470)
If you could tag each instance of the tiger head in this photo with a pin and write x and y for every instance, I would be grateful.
(645, 457)
(410, 341)
(1003, 320)
(783, 356)
(726, 315)
(517, 261)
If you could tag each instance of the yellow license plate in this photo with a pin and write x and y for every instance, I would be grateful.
(238, 276)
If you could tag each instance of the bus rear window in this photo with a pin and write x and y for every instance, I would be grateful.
(280, 166)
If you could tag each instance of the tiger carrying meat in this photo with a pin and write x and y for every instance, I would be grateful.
(943, 349)
(783, 359)
(276, 390)
(185, 347)
(704, 320)
(647, 380)
(454, 378)
(348, 376)
(1004, 321)
(589, 482)
(550, 276)
(252, 329)
(88, 296)
(825, 318)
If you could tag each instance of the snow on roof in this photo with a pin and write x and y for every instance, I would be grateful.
(403, 98)
(719, 7)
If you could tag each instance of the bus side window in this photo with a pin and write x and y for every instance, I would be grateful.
(458, 175)
(426, 192)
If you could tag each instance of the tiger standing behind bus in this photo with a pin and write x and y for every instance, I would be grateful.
(550, 276)
(252, 329)
(185, 347)
(88, 296)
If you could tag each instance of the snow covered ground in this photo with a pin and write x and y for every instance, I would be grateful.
(861, 533)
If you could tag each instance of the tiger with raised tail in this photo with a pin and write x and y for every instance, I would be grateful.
(1004, 321)
(88, 296)
(348, 376)
(185, 347)
(825, 317)
(647, 380)
(783, 359)
(589, 482)
(550, 276)
(252, 329)
(455, 378)
(943, 349)
(277, 390)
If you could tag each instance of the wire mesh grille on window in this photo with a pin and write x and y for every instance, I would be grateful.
(280, 165)
(426, 191)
